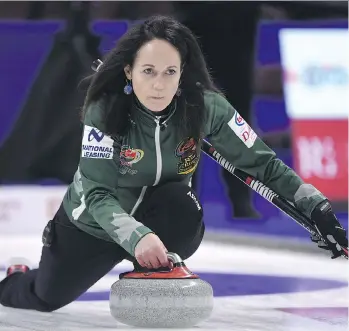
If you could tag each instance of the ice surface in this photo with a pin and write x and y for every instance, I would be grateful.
(265, 304)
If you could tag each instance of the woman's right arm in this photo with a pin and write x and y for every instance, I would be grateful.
(99, 170)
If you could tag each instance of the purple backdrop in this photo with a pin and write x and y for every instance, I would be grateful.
(25, 46)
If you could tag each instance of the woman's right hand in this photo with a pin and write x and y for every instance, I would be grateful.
(150, 252)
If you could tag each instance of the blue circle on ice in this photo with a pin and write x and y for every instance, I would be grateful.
(224, 284)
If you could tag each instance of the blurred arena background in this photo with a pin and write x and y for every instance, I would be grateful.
(283, 65)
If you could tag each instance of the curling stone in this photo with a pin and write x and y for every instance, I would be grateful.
(162, 299)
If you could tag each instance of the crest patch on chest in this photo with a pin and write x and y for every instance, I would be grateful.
(186, 151)
(128, 157)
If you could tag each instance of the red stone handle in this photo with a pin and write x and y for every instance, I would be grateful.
(177, 272)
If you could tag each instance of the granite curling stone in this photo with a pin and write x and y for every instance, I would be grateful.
(162, 299)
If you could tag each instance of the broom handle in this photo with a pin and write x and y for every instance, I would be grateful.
(266, 193)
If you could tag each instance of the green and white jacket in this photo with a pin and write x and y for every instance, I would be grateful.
(114, 173)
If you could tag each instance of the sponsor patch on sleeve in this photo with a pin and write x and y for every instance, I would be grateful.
(96, 145)
(242, 130)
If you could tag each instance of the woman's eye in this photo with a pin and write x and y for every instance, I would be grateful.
(148, 71)
(171, 72)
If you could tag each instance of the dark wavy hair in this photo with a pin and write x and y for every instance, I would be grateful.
(110, 79)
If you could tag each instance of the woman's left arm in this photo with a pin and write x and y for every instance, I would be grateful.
(236, 141)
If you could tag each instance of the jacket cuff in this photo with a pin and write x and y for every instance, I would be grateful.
(136, 236)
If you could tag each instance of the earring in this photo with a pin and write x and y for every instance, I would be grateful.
(179, 92)
(128, 88)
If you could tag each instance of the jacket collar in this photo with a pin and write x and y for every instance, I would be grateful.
(146, 116)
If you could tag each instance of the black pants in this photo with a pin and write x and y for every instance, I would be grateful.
(76, 260)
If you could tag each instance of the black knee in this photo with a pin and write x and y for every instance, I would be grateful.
(47, 303)
(17, 291)
(48, 308)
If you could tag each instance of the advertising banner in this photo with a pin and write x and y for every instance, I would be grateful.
(316, 81)
(25, 210)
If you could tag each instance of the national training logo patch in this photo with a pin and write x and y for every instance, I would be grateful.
(186, 151)
(96, 145)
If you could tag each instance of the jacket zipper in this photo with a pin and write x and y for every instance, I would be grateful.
(158, 165)
(140, 199)
(158, 151)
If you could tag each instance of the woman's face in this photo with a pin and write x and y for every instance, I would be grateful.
(155, 74)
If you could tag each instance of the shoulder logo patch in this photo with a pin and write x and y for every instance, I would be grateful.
(96, 145)
(242, 130)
